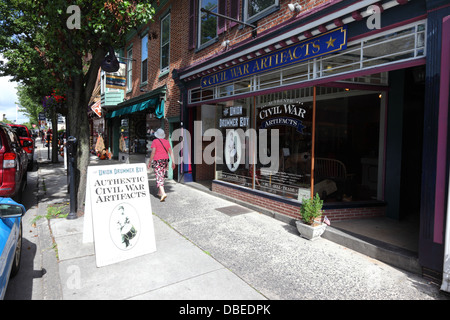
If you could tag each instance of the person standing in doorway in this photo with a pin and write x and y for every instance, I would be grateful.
(159, 160)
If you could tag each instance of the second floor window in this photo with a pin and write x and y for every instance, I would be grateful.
(129, 70)
(165, 43)
(255, 9)
(144, 58)
(207, 26)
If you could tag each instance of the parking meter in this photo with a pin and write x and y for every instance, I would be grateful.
(71, 152)
(71, 146)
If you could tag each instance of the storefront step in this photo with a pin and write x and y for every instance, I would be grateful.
(382, 251)
(385, 252)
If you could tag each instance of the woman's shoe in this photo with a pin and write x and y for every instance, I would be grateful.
(163, 197)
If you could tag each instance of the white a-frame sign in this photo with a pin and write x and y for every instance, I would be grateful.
(118, 214)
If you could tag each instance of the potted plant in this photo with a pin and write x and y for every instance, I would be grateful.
(310, 210)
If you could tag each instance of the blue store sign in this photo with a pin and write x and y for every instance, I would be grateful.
(323, 44)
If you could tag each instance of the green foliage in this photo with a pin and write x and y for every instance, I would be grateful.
(311, 209)
(53, 212)
(43, 51)
(30, 105)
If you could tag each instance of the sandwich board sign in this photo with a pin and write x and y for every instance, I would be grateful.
(118, 215)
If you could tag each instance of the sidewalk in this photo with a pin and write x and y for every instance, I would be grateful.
(211, 249)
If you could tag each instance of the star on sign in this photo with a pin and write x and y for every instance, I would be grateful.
(330, 42)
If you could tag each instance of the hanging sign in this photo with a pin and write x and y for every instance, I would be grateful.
(118, 215)
(320, 45)
(117, 80)
(96, 107)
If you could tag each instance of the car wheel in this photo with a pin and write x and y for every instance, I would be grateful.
(16, 263)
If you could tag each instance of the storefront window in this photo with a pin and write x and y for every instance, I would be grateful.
(268, 147)
(347, 146)
(290, 121)
(233, 121)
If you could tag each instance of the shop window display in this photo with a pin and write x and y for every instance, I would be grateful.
(290, 121)
(347, 147)
(347, 154)
(233, 119)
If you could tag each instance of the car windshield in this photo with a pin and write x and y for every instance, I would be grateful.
(21, 132)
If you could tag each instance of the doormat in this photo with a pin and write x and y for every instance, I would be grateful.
(234, 210)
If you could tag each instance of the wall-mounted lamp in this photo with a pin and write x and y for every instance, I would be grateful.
(226, 43)
(294, 7)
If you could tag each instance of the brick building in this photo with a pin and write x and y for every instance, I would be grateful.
(351, 91)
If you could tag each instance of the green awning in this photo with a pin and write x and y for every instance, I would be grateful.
(153, 99)
(159, 108)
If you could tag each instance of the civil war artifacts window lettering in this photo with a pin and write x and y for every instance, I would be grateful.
(207, 26)
(348, 147)
(292, 119)
(144, 58)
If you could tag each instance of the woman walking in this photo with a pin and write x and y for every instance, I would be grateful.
(159, 160)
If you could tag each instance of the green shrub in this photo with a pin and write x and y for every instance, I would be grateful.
(311, 209)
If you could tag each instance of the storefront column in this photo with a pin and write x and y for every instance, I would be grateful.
(443, 134)
(431, 247)
(394, 143)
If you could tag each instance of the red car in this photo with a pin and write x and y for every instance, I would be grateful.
(13, 163)
(25, 135)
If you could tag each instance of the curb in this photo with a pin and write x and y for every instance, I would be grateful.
(51, 280)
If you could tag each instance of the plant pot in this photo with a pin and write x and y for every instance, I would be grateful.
(310, 232)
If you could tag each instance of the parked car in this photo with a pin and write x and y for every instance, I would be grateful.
(13, 163)
(11, 214)
(25, 135)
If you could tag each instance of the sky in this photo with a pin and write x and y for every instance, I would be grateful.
(8, 98)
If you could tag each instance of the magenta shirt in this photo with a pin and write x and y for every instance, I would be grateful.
(160, 153)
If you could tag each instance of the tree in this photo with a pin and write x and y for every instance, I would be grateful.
(63, 43)
(30, 105)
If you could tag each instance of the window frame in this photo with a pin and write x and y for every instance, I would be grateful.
(273, 7)
(129, 70)
(144, 80)
(164, 69)
(201, 45)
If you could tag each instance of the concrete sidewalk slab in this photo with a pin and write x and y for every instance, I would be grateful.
(177, 270)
